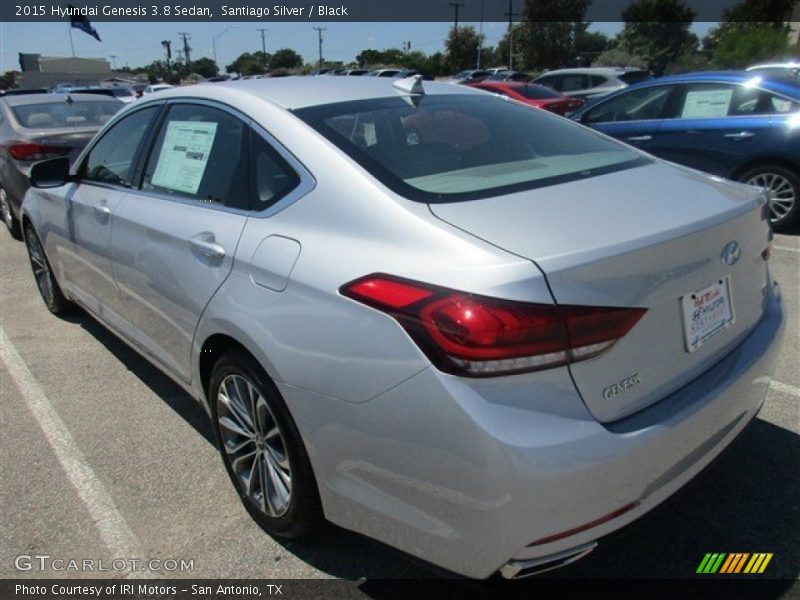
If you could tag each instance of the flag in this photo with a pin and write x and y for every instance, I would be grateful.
(78, 21)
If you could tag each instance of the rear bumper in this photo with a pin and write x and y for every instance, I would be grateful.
(469, 474)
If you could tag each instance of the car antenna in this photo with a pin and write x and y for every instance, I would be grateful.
(411, 86)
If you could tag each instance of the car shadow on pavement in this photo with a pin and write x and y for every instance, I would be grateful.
(161, 385)
(748, 500)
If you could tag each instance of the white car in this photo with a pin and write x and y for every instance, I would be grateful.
(157, 87)
(591, 82)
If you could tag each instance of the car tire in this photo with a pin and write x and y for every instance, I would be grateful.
(11, 221)
(784, 187)
(49, 289)
(263, 428)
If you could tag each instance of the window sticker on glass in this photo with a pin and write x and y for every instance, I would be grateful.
(707, 103)
(184, 155)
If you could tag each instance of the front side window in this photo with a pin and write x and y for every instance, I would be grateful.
(551, 81)
(636, 105)
(460, 147)
(200, 154)
(110, 160)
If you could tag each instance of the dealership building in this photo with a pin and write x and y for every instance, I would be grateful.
(47, 71)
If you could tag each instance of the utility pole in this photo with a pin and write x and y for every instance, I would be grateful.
(456, 6)
(480, 39)
(511, 14)
(113, 62)
(319, 31)
(167, 45)
(263, 44)
(186, 48)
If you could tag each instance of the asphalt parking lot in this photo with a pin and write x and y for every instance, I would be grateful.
(78, 406)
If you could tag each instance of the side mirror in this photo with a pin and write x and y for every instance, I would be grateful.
(50, 173)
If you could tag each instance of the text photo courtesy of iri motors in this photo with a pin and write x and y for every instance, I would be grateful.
(318, 301)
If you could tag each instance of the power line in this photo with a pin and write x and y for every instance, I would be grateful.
(456, 6)
(511, 14)
(319, 31)
(263, 44)
(186, 48)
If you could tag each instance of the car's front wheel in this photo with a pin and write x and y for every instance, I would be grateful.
(12, 223)
(262, 449)
(43, 273)
(783, 186)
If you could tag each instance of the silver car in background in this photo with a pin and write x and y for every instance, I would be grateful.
(477, 332)
(38, 126)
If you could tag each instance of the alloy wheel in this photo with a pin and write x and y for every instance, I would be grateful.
(41, 270)
(254, 445)
(782, 195)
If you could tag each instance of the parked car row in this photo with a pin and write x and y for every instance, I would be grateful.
(35, 127)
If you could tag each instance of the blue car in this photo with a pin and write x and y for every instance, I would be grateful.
(738, 125)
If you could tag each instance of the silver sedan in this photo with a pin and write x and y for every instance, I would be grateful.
(478, 332)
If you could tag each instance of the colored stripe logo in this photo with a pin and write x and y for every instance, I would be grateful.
(734, 562)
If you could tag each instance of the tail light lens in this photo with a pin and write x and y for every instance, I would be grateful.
(479, 336)
(30, 151)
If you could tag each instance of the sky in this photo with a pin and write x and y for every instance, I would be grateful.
(137, 44)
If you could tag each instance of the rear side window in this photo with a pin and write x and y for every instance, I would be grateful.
(572, 83)
(110, 160)
(200, 154)
(59, 115)
(271, 176)
(461, 147)
(597, 80)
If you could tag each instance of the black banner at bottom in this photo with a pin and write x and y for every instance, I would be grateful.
(308, 589)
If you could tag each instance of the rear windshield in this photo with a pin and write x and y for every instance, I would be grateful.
(62, 114)
(462, 147)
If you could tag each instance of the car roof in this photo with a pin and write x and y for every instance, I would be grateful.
(55, 98)
(774, 84)
(593, 70)
(296, 92)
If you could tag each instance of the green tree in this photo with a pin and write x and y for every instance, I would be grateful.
(741, 47)
(205, 67)
(500, 55)
(462, 48)
(369, 57)
(658, 31)
(286, 58)
(552, 30)
(9, 80)
(616, 57)
(752, 15)
(249, 63)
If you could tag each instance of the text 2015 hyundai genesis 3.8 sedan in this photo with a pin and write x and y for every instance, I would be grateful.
(475, 331)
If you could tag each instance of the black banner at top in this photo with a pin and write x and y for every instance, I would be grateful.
(326, 10)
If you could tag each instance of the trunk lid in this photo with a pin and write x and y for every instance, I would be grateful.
(645, 237)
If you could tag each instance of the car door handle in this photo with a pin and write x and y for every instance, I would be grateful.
(640, 138)
(739, 135)
(205, 245)
(102, 210)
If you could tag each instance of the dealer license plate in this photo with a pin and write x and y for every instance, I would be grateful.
(706, 312)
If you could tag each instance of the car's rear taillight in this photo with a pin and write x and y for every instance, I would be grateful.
(481, 336)
(30, 151)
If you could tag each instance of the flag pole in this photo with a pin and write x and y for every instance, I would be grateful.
(71, 43)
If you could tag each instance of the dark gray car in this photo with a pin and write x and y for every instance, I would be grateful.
(38, 126)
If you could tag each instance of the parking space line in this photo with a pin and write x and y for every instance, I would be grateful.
(787, 248)
(105, 515)
(792, 390)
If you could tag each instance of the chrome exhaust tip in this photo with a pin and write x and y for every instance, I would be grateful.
(519, 569)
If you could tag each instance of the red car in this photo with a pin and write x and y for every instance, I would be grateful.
(533, 94)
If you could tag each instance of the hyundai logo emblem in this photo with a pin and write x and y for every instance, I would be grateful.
(731, 253)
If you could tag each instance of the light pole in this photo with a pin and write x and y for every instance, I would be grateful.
(214, 42)
(113, 62)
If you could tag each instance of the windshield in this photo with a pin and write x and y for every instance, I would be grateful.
(60, 115)
(463, 147)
